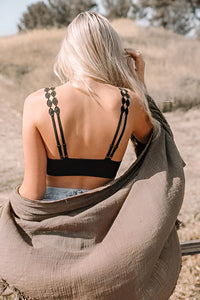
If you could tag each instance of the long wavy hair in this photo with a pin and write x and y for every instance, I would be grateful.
(92, 48)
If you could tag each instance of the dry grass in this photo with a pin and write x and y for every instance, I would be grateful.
(171, 74)
(26, 62)
(172, 63)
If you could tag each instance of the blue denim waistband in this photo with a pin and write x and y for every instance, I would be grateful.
(57, 193)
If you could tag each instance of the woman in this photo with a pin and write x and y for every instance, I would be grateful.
(93, 66)
(118, 240)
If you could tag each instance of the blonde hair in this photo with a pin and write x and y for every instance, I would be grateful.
(92, 48)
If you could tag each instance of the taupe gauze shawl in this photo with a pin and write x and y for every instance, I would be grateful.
(117, 242)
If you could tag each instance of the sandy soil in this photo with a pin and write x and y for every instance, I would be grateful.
(11, 167)
(186, 128)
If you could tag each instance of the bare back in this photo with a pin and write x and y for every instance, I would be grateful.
(89, 124)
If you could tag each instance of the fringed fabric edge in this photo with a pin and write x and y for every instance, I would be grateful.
(12, 292)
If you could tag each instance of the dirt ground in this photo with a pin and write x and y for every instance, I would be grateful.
(186, 128)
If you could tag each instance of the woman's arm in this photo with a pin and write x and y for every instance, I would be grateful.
(142, 126)
(34, 183)
(139, 64)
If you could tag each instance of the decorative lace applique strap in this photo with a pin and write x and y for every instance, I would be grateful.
(52, 103)
(124, 111)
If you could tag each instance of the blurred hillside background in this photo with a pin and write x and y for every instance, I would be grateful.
(168, 38)
(181, 17)
(168, 35)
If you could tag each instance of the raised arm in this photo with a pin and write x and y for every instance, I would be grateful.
(34, 183)
(139, 64)
(141, 123)
(142, 126)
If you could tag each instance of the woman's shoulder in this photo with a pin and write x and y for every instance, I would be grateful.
(34, 106)
(35, 97)
(137, 101)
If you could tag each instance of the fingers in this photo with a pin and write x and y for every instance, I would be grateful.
(135, 54)
(139, 63)
(132, 52)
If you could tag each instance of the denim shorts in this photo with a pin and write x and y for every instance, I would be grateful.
(57, 193)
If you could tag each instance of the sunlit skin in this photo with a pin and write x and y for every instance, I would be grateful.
(89, 126)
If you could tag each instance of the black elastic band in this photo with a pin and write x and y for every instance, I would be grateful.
(56, 135)
(61, 132)
(115, 136)
(121, 135)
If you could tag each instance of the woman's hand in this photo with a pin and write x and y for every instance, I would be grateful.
(139, 63)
